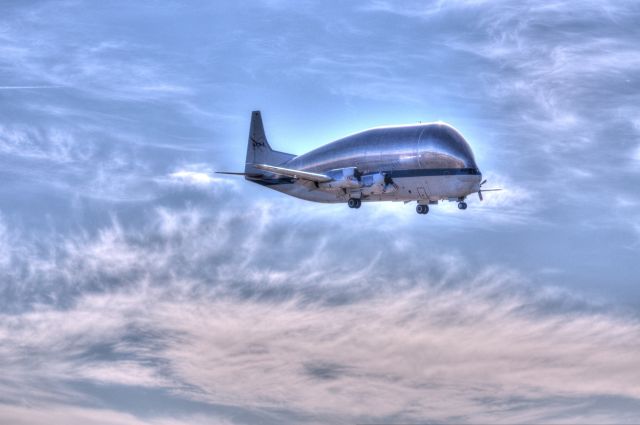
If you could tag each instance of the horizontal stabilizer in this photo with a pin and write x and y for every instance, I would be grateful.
(250, 175)
(296, 174)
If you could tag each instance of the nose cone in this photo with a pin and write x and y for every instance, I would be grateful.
(442, 146)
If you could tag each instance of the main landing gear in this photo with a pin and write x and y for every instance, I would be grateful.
(422, 209)
(462, 205)
(354, 203)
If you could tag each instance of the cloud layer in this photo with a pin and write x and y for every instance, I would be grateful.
(252, 337)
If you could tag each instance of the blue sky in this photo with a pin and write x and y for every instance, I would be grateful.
(139, 287)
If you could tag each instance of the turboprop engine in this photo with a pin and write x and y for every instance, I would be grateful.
(343, 178)
(351, 179)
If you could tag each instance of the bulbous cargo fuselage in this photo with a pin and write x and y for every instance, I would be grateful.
(426, 162)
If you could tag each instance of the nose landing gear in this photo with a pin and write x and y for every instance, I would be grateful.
(422, 209)
(462, 205)
(354, 203)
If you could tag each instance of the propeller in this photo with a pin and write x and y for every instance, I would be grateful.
(357, 174)
(389, 181)
(486, 190)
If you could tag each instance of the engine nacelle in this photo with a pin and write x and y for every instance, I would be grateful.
(343, 178)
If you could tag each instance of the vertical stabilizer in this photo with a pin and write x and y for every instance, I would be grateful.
(258, 149)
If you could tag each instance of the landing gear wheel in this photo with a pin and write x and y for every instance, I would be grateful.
(422, 209)
(462, 205)
(358, 203)
(354, 203)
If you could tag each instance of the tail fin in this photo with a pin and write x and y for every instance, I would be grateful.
(258, 149)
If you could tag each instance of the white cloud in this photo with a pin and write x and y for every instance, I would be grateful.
(201, 175)
(636, 154)
(5, 245)
(437, 348)
(423, 353)
(192, 177)
(47, 414)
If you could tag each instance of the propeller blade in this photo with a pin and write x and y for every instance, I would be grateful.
(480, 195)
(483, 182)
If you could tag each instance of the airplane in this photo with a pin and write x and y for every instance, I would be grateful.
(426, 163)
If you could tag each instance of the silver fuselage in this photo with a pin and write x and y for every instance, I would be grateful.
(427, 163)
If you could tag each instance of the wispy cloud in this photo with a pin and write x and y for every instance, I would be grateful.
(29, 87)
(52, 145)
(106, 69)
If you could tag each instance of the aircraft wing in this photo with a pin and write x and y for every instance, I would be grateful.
(296, 174)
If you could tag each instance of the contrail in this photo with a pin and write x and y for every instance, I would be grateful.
(29, 87)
